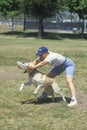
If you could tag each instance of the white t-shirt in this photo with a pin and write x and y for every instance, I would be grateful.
(55, 59)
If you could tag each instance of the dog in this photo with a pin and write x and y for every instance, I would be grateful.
(40, 80)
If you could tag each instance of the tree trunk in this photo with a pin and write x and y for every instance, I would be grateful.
(72, 26)
(12, 24)
(82, 26)
(24, 26)
(41, 28)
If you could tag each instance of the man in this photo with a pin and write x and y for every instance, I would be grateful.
(60, 64)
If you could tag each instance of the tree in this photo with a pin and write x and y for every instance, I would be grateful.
(9, 8)
(77, 6)
(42, 9)
(81, 10)
(24, 10)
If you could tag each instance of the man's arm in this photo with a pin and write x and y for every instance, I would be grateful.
(41, 63)
(36, 61)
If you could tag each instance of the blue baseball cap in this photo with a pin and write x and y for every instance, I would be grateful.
(41, 51)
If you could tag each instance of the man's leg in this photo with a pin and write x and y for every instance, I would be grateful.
(72, 91)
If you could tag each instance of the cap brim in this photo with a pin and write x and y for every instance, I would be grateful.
(39, 53)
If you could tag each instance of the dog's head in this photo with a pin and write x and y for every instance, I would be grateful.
(25, 66)
(29, 70)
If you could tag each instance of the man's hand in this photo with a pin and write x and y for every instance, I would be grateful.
(31, 67)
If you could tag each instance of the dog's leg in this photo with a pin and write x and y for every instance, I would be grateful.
(57, 90)
(37, 89)
(49, 91)
(23, 85)
(53, 97)
(62, 96)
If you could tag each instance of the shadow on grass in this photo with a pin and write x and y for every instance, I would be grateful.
(47, 101)
(46, 35)
(20, 34)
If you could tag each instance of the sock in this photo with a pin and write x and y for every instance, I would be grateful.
(73, 98)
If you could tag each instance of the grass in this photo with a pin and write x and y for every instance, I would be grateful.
(21, 111)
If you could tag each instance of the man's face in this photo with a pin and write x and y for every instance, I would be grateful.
(43, 56)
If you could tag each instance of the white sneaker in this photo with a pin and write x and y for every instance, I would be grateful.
(43, 96)
(73, 103)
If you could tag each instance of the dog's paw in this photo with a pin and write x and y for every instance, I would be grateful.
(21, 88)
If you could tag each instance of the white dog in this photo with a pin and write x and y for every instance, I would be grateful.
(40, 81)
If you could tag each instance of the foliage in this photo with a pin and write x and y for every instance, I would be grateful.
(9, 7)
(45, 8)
(42, 9)
(76, 6)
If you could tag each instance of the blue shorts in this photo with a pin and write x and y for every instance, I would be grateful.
(68, 66)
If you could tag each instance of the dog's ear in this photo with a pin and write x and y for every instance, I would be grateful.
(25, 71)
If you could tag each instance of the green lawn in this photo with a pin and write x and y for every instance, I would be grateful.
(21, 111)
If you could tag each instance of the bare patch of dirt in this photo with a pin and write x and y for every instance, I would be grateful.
(82, 99)
(12, 76)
